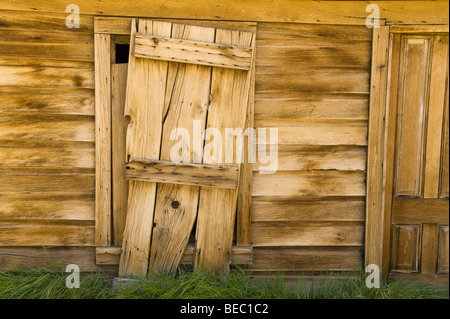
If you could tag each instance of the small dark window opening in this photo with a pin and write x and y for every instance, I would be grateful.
(122, 52)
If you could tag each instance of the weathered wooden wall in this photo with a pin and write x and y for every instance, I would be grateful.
(46, 140)
(312, 82)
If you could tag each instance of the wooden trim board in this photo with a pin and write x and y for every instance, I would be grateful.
(240, 255)
(323, 12)
(102, 139)
(376, 220)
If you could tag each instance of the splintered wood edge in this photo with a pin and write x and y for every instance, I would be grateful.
(183, 173)
(240, 255)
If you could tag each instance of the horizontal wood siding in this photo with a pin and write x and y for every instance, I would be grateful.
(47, 146)
(312, 83)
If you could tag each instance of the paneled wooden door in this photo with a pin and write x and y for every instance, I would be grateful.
(419, 156)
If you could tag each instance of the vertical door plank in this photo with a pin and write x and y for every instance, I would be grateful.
(429, 248)
(176, 205)
(102, 140)
(146, 87)
(217, 208)
(405, 248)
(438, 85)
(412, 107)
(119, 129)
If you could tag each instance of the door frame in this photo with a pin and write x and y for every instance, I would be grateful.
(109, 31)
(381, 144)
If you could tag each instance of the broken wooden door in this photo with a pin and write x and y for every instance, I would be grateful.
(190, 81)
(419, 95)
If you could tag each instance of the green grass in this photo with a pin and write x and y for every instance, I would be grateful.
(47, 284)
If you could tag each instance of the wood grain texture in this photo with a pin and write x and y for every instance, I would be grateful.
(306, 209)
(443, 250)
(48, 257)
(377, 234)
(444, 177)
(307, 258)
(291, 132)
(313, 45)
(102, 140)
(418, 210)
(240, 255)
(43, 21)
(390, 143)
(47, 184)
(45, 76)
(195, 52)
(45, 103)
(319, 133)
(429, 256)
(43, 63)
(438, 84)
(217, 208)
(145, 109)
(418, 96)
(68, 210)
(45, 235)
(244, 196)
(288, 79)
(327, 12)
(314, 34)
(412, 114)
(47, 143)
(122, 25)
(118, 146)
(179, 77)
(183, 173)
(307, 234)
(419, 29)
(41, 44)
(46, 127)
(333, 55)
(107, 255)
(187, 98)
(49, 157)
(311, 106)
(313, 183)
(406, 242)
(319, 157)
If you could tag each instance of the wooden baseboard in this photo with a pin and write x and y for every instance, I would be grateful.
(240, 255)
